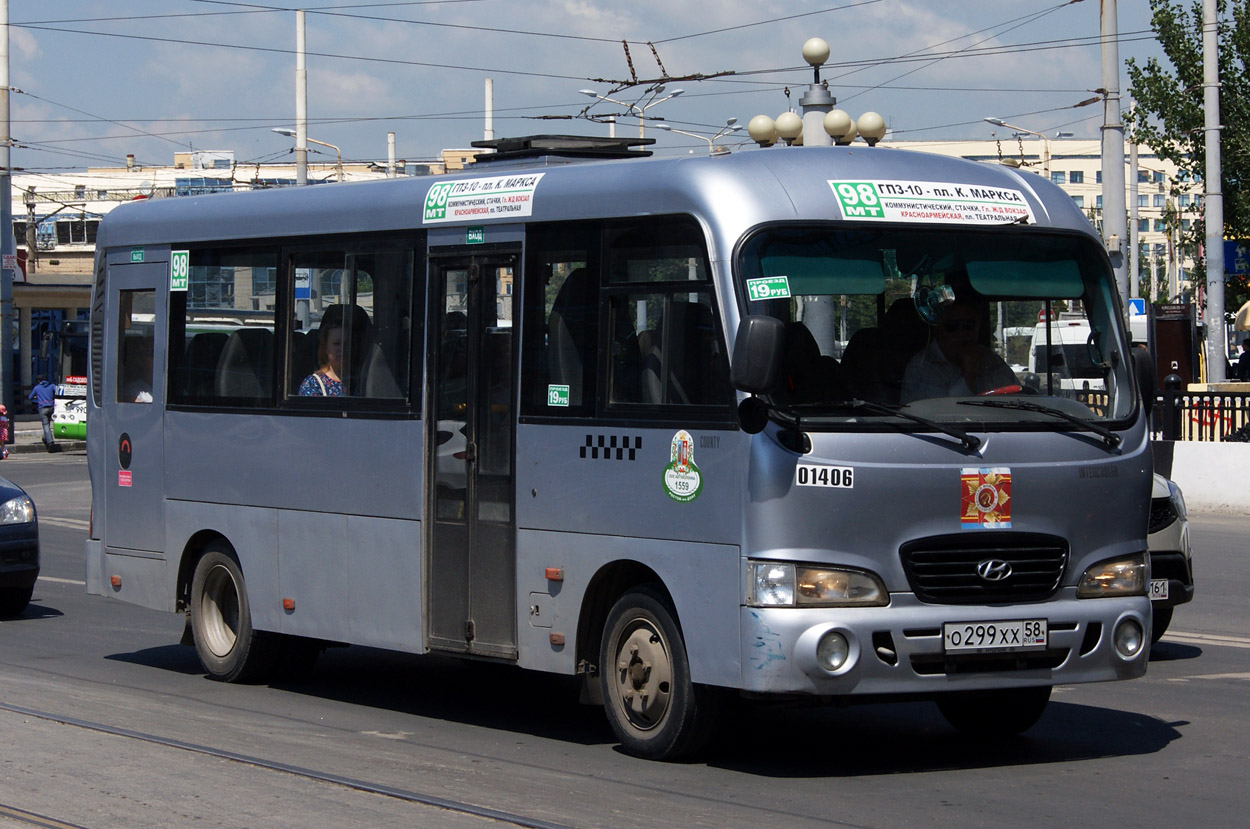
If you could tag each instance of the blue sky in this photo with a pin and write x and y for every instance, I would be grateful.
(98, 79)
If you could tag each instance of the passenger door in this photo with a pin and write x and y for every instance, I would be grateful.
(134, 388)
(471, 422)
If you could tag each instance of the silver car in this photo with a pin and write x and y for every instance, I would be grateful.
(1171, 565)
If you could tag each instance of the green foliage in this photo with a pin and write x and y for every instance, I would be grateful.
(1169, 118)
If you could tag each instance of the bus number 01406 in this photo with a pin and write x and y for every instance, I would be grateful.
(834, 476)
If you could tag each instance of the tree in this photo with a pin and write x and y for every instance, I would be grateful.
(1169, 117)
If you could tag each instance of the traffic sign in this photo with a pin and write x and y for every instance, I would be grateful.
(1236, 257)
(1136, 307)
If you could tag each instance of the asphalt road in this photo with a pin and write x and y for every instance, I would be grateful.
(105, 720)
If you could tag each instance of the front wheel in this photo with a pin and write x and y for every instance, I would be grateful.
(995, 714)
(1162, 617)
(655, 709)
(221, 621)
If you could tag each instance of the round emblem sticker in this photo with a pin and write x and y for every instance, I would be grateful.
(682, 480)
(123, 450)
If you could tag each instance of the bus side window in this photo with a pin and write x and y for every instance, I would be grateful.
(136, 318)
(681, 360)
(559, 362)
(572, 317)
(666, 349)
(385, 365)
(369, 296)
(221, 348)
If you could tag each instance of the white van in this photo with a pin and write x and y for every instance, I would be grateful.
(1070, 364)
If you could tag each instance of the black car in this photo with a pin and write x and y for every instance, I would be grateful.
(19, 549)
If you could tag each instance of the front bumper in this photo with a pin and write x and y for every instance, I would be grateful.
(19, 555)
(1177, 568)
(899, 649)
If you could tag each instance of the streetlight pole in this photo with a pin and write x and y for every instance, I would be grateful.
(1115, 214)
(1213, 204)
(999, 122)
(641, 110)
(301, 102)
(730, 127)
(338, 164)
(8, 254)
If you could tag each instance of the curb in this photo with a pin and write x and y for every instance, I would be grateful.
(30, 441)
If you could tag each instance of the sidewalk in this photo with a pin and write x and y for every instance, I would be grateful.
(28, 437)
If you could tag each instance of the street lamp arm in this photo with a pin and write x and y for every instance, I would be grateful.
(999, 122)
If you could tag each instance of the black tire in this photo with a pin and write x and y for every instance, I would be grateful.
(13, 600)
(994, 714)
(221, 621)
(653, 706)
(1161, 618)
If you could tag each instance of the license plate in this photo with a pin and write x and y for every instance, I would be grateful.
(1158, 589)
(994, 637)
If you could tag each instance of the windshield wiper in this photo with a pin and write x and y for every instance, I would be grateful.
(1109, 437)
(970, 442)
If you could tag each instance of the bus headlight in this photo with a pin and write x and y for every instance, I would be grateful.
(17, 510)
(1114, 577)
(782, 584)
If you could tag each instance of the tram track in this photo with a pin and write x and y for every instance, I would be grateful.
(34, 818)
(395, 793)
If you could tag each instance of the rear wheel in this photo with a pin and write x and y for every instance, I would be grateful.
(221, 621)
(1162, 617)
(999, 713)
(655, 709)
(13, 600)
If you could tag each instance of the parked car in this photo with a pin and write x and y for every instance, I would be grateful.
(1171, 564)
(19, 549)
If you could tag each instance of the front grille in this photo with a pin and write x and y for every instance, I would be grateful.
(1162, 513)
(943, 569)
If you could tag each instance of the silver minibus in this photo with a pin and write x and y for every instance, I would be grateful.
(689, 428)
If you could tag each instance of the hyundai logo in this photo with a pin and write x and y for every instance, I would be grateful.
(993, 569)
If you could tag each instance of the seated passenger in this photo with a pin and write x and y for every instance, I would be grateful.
(956, 362)
(326, 381)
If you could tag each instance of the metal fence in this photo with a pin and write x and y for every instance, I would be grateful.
(1190, 415)
(1201, 415)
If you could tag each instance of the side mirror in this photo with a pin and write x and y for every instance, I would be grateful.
(1144, 369)
(758, 351)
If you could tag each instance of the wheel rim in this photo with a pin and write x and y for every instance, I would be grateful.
(644, 675)
(219, 611)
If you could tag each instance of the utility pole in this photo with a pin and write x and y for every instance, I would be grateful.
(820, 313)
(1217, 340)
(488, 131)
(301, 102)
(1134, 242)
(1114, 220)
(8, 253)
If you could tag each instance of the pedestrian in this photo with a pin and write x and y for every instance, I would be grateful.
(44, 395)
(1243, 362)
(4, 432)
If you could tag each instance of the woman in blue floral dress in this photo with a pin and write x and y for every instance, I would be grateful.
(326, 380)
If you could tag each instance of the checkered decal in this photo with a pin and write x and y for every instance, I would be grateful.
(611, 447)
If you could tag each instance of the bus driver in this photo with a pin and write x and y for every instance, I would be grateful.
(956, 363)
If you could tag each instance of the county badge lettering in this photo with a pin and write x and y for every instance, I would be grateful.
(986, 498)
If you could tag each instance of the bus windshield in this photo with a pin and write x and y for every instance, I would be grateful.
(889, 322)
